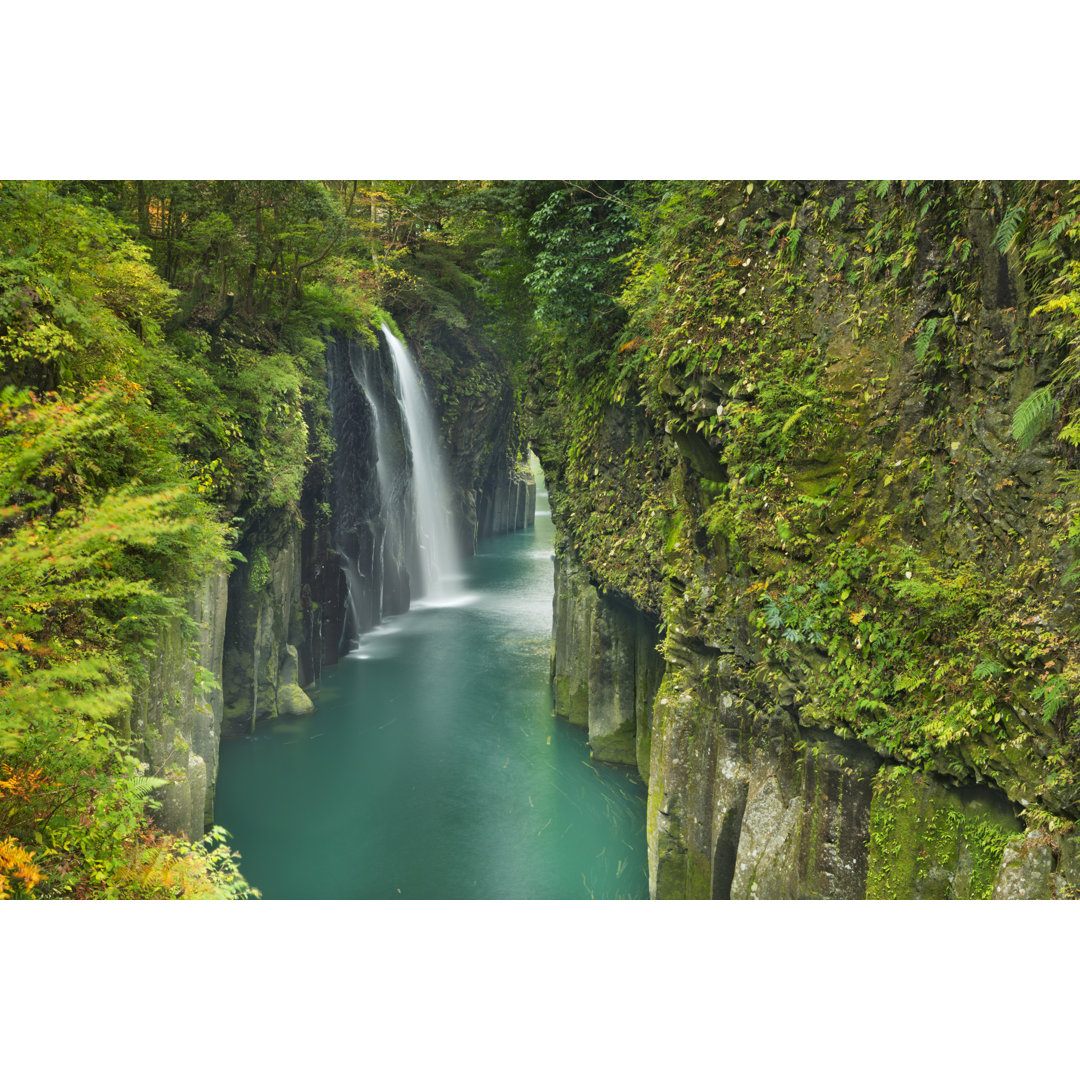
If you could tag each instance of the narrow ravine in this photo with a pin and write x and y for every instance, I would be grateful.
(434, 768)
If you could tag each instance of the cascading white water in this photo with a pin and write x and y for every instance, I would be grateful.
(439, 561)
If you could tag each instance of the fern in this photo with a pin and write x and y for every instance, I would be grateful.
(1054, 697)
(1060, 227)
(1035, 414)
(1071, 575)
(926, 335)
(835, 208)
(988, 669)
(1010, 228)
(793, 418)
(908, 681)
(1070, 433)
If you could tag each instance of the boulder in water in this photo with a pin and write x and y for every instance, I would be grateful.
(291, 700)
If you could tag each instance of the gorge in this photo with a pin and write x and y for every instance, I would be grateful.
(811, 461)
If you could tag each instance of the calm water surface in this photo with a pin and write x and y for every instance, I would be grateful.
(433, 767)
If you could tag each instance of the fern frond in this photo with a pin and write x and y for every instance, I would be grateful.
(926, 335)
(1070, 433)
(1055, 700)
(1061, 226)
(988, 669)
(793, 418)
(146, 785)
(1010, 228)
(1034, 415)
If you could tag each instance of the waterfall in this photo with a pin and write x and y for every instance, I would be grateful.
(390, 526)
(438, 560)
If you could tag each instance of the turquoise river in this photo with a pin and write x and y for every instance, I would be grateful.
(433, 767)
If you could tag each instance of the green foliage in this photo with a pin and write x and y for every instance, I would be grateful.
(1034, 415)
(259, 574)
(103, 530)
(1010, 229)
(1042, 225)
(87, 572)
(988, 669)
(918, 831)
(577, 234)
(926, 336)
(789, 620)
(267, 391)
(78, 300)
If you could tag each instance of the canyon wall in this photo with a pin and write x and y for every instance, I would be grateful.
(859, 576)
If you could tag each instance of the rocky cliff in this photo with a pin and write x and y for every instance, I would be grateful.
(805, 474)
(177, 711)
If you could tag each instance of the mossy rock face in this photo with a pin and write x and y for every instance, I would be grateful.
(262, 626)
(1040, 865)
(618, 748)
(176, 727)
(928, 841)
(613, 683)
(560, 685)
(819, 478)
(579, 706)
(668, 782)
(744, 804)
(1026, 870)
(837, 423)
(804, 824)
(574, 607)
(1066, 878)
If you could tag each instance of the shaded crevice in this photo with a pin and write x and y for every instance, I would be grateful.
(726, 850)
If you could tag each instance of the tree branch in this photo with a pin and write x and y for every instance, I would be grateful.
(326, 251)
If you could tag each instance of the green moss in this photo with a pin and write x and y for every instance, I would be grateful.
(579, 705)
(561, 688)
(259, 575)
(618, 748)
(698, 877)
(812, 831)
(927, 842)
(673, 529)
